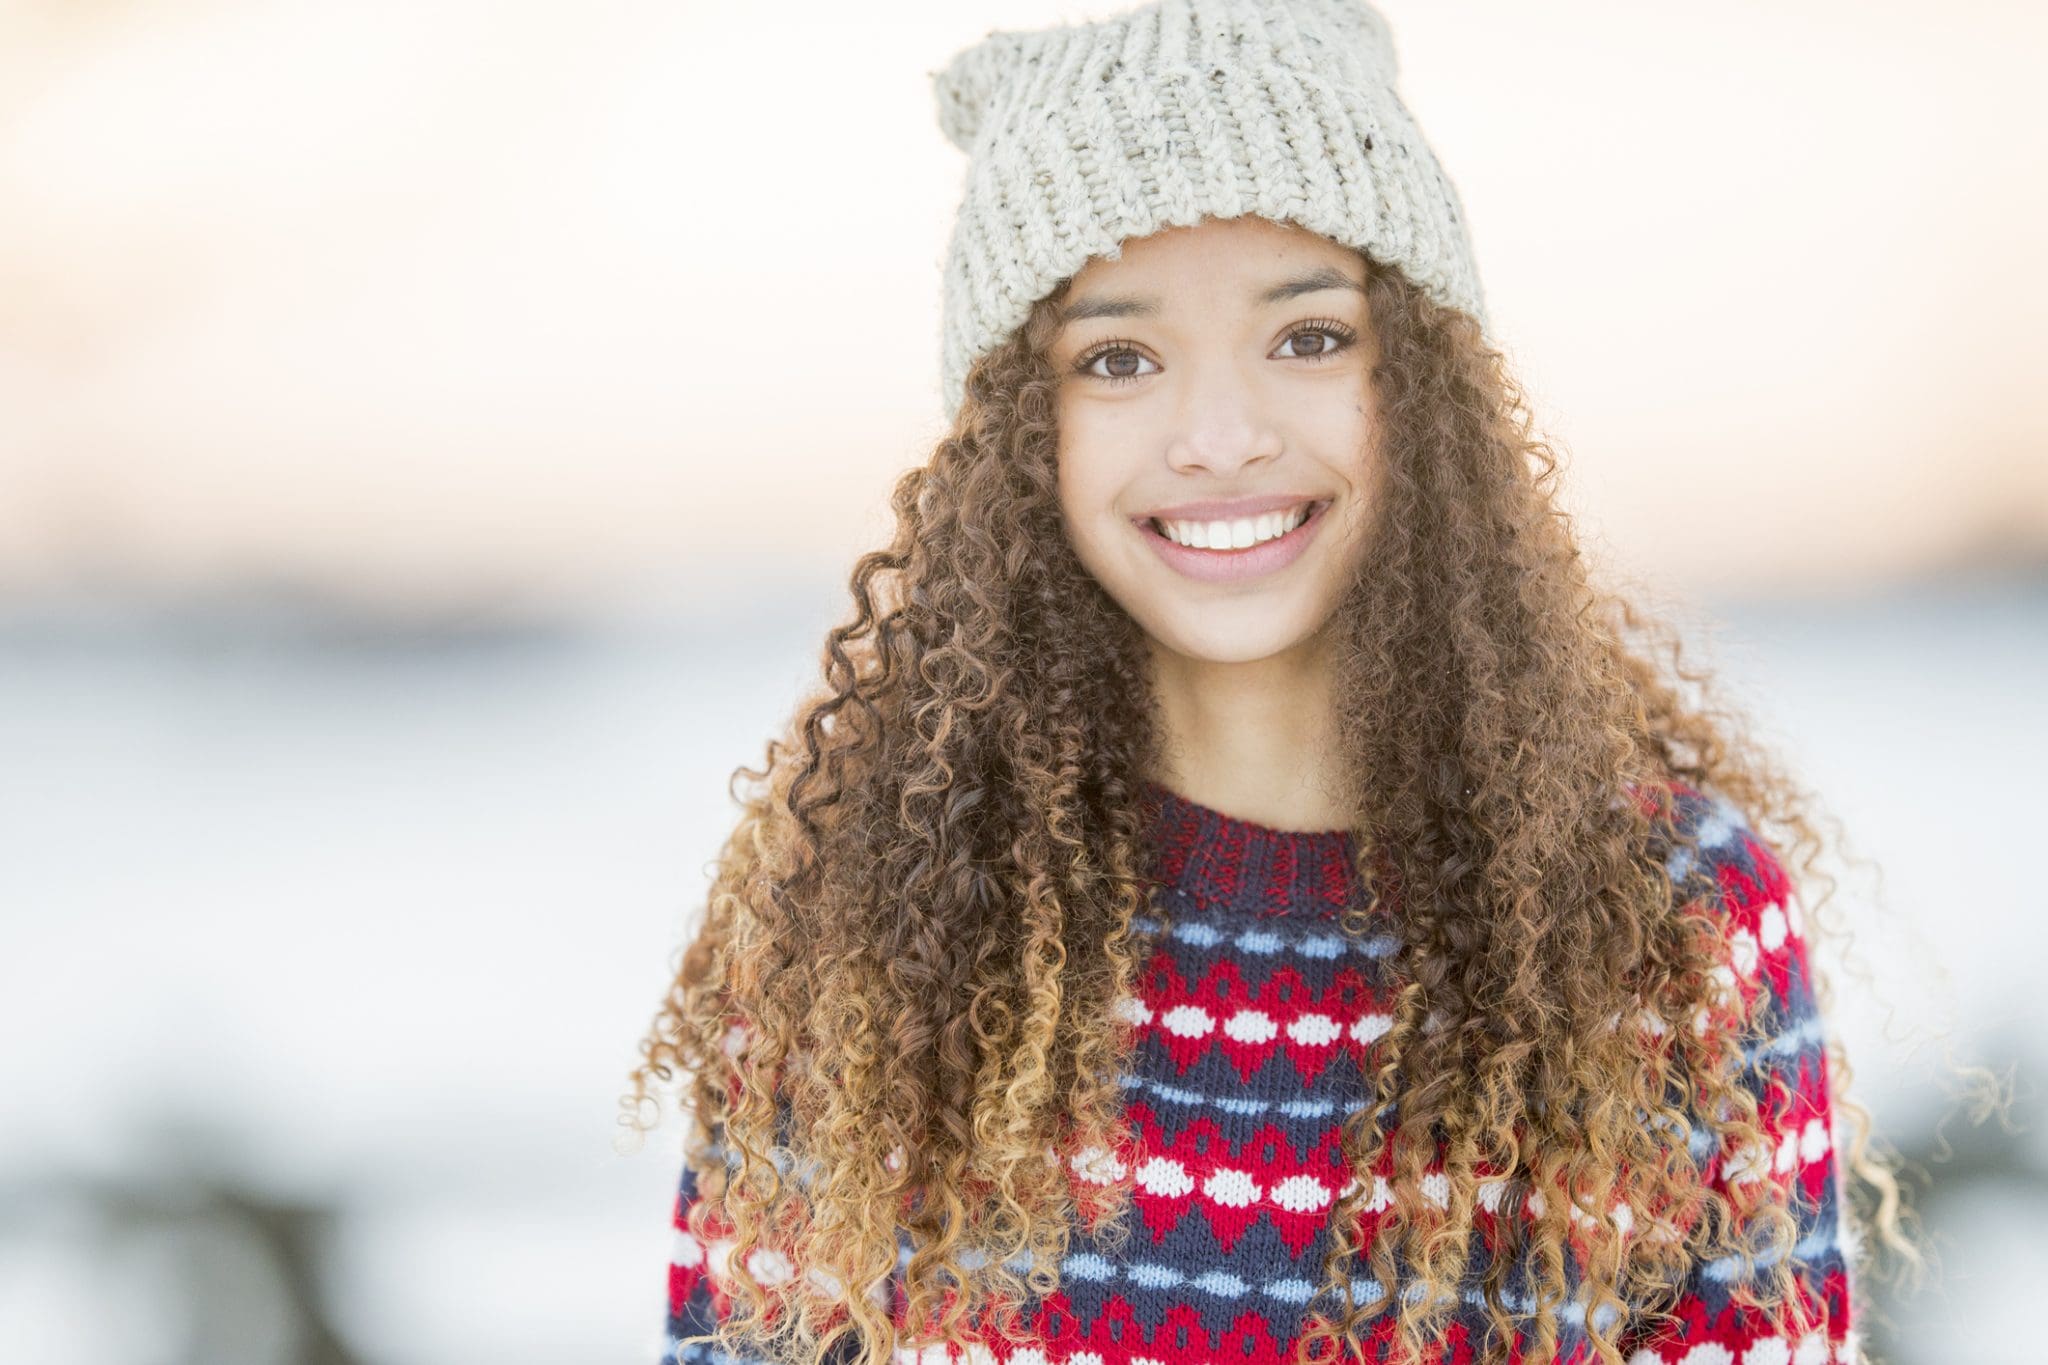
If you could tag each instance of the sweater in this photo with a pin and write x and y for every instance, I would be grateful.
(1254, 1019)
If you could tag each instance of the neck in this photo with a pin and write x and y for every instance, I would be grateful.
(1253, 739)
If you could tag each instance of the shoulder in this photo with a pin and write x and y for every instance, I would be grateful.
(1739, 865)
(1724, 868)
(1711, 850)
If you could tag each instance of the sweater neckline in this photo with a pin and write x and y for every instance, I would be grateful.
(1237, 867)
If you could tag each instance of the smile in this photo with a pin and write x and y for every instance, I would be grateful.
(1237, 549)
(1238, 534)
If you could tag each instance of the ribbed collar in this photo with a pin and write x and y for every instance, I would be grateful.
(1233, 866)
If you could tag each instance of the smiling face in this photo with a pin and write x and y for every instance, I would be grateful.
(1214, 385)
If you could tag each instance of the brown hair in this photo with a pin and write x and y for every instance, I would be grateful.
(904, 989)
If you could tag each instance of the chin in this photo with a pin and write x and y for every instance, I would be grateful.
(1211, 640)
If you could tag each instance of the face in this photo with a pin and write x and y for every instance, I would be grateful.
(1215, 418)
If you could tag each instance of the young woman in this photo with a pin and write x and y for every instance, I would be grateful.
(1241, 893)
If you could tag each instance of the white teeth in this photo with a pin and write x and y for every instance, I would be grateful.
(1234, 535)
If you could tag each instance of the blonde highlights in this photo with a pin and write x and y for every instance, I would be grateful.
(901, 1016)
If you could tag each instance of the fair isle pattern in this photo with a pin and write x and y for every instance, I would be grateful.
(1255, 1018)
(1082, 135)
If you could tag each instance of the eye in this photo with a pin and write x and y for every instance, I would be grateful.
(1341, 337)
(1336, 337)
(1086, 364)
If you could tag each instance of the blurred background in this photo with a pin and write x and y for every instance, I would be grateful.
(433, 442)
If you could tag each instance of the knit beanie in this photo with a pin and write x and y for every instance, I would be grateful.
(1081, 135)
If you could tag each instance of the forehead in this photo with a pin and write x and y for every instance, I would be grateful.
(1244, 242)
(1250, 262)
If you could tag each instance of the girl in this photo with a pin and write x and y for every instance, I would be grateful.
(1241, 893)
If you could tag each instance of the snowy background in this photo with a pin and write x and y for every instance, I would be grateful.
(327, 950)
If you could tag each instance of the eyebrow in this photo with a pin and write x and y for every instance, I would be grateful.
(1147, 305)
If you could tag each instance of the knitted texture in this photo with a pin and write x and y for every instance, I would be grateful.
(1081, 135)
(1257, 1019)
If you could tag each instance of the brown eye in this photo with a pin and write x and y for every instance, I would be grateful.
(1122, 359)
(1331, 337)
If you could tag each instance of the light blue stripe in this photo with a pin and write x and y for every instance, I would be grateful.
(703, 1353)
(1209, 930)
(1819, 1244)
(1222, 1284)
(1808, 1034)
(1717, 829)
(1296, 1292)
(1235, 1104)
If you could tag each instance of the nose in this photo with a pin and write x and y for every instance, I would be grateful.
(1221, 428)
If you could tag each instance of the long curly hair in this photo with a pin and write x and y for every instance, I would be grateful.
(900, 1017)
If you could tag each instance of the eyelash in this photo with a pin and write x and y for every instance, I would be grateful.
(1346, 337)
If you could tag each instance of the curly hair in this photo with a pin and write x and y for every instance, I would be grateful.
(900, 1014)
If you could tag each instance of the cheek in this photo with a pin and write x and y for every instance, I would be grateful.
(1352, 427)
(1068, 470)
(1346, 422)
(1088, 481)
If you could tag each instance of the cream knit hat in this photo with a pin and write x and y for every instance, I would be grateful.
(1081, 135)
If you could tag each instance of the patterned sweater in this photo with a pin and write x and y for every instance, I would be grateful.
(1254, 1018)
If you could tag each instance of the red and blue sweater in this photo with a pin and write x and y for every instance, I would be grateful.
(1254, 1019)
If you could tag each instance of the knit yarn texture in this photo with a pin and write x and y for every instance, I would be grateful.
(1082, 135)
(1257, 1019)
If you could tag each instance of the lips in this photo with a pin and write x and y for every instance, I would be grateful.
(1235, 565)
